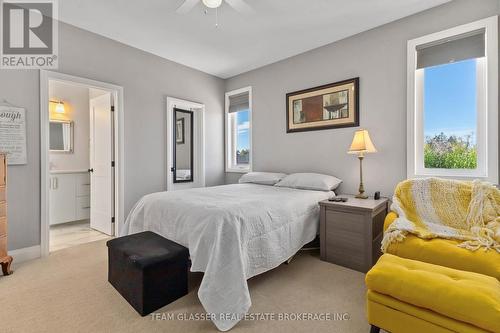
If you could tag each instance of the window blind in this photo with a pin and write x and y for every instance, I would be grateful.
(239, 103)
(458, 48)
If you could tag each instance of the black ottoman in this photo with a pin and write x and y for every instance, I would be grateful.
(148, 270)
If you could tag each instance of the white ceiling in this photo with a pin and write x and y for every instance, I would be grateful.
(277, 29)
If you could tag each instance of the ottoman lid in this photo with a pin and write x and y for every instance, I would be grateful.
(148, 248)
(465, 296)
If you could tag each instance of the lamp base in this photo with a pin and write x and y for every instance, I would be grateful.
(361, 190)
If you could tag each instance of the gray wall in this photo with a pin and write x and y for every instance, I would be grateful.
(378, 57)
(147, 80)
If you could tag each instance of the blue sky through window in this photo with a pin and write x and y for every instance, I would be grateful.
(450, 99)
(242, 124)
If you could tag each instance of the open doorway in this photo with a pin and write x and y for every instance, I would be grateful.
(80, 148)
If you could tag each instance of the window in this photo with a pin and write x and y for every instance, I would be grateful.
(450, 123)
(239, 130)
(453, 103)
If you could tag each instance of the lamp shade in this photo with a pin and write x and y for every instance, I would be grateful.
(361, 143)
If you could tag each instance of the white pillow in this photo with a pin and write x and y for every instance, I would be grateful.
(263, 178)
(310, 181)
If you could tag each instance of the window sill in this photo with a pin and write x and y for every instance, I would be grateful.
(452, 175)
(234, 170)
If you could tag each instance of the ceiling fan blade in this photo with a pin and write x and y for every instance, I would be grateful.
(186, 6)
(241, 6)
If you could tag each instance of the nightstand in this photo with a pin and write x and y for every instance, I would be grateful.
(351, 232)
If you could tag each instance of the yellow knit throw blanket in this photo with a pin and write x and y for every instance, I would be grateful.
(451, 209)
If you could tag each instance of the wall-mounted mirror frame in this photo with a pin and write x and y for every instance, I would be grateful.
(181, 138)
(63, 132)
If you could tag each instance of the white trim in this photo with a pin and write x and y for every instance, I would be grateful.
(117, 92)
(487, 140)
(59, 172)
(228, 141)
(199, 142)
(25, 254)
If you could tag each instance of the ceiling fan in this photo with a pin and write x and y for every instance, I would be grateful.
(239, 5)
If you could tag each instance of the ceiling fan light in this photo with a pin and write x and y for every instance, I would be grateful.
(212, 3)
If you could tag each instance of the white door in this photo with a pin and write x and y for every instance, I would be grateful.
(101, 169)
(185, 144)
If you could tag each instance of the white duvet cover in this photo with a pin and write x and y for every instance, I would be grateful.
(233, 232)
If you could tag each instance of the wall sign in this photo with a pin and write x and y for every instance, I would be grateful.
(13, 134)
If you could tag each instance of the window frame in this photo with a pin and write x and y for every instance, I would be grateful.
(487, 108)
(230, 136)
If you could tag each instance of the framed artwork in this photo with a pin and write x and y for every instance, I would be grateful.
(332, 105)
(179, 131)
(13, 133)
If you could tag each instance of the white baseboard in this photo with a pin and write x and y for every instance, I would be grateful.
(25, 254)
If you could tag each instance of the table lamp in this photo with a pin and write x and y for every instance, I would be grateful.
(361, 144)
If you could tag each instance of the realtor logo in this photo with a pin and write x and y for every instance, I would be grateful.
(28, 34)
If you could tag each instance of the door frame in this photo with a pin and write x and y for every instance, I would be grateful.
(119, 179)
(198, 142)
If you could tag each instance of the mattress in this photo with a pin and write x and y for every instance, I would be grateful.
(233, 232)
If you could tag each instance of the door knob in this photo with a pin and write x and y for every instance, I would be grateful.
(91, 170)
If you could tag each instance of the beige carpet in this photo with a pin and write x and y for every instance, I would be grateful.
(69, 292)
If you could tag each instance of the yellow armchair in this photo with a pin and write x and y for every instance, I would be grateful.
(445, 252)
(433, 286)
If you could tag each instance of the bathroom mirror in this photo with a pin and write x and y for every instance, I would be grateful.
(61, 136)
(183, 146)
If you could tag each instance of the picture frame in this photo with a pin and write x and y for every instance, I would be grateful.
(179, 132)
(334, 105)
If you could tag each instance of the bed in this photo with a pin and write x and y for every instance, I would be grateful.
(233, 233)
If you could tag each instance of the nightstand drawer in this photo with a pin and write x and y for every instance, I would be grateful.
(3, 226)
(344, 239)
(354, 260)
(345, 248)
(345, 221)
